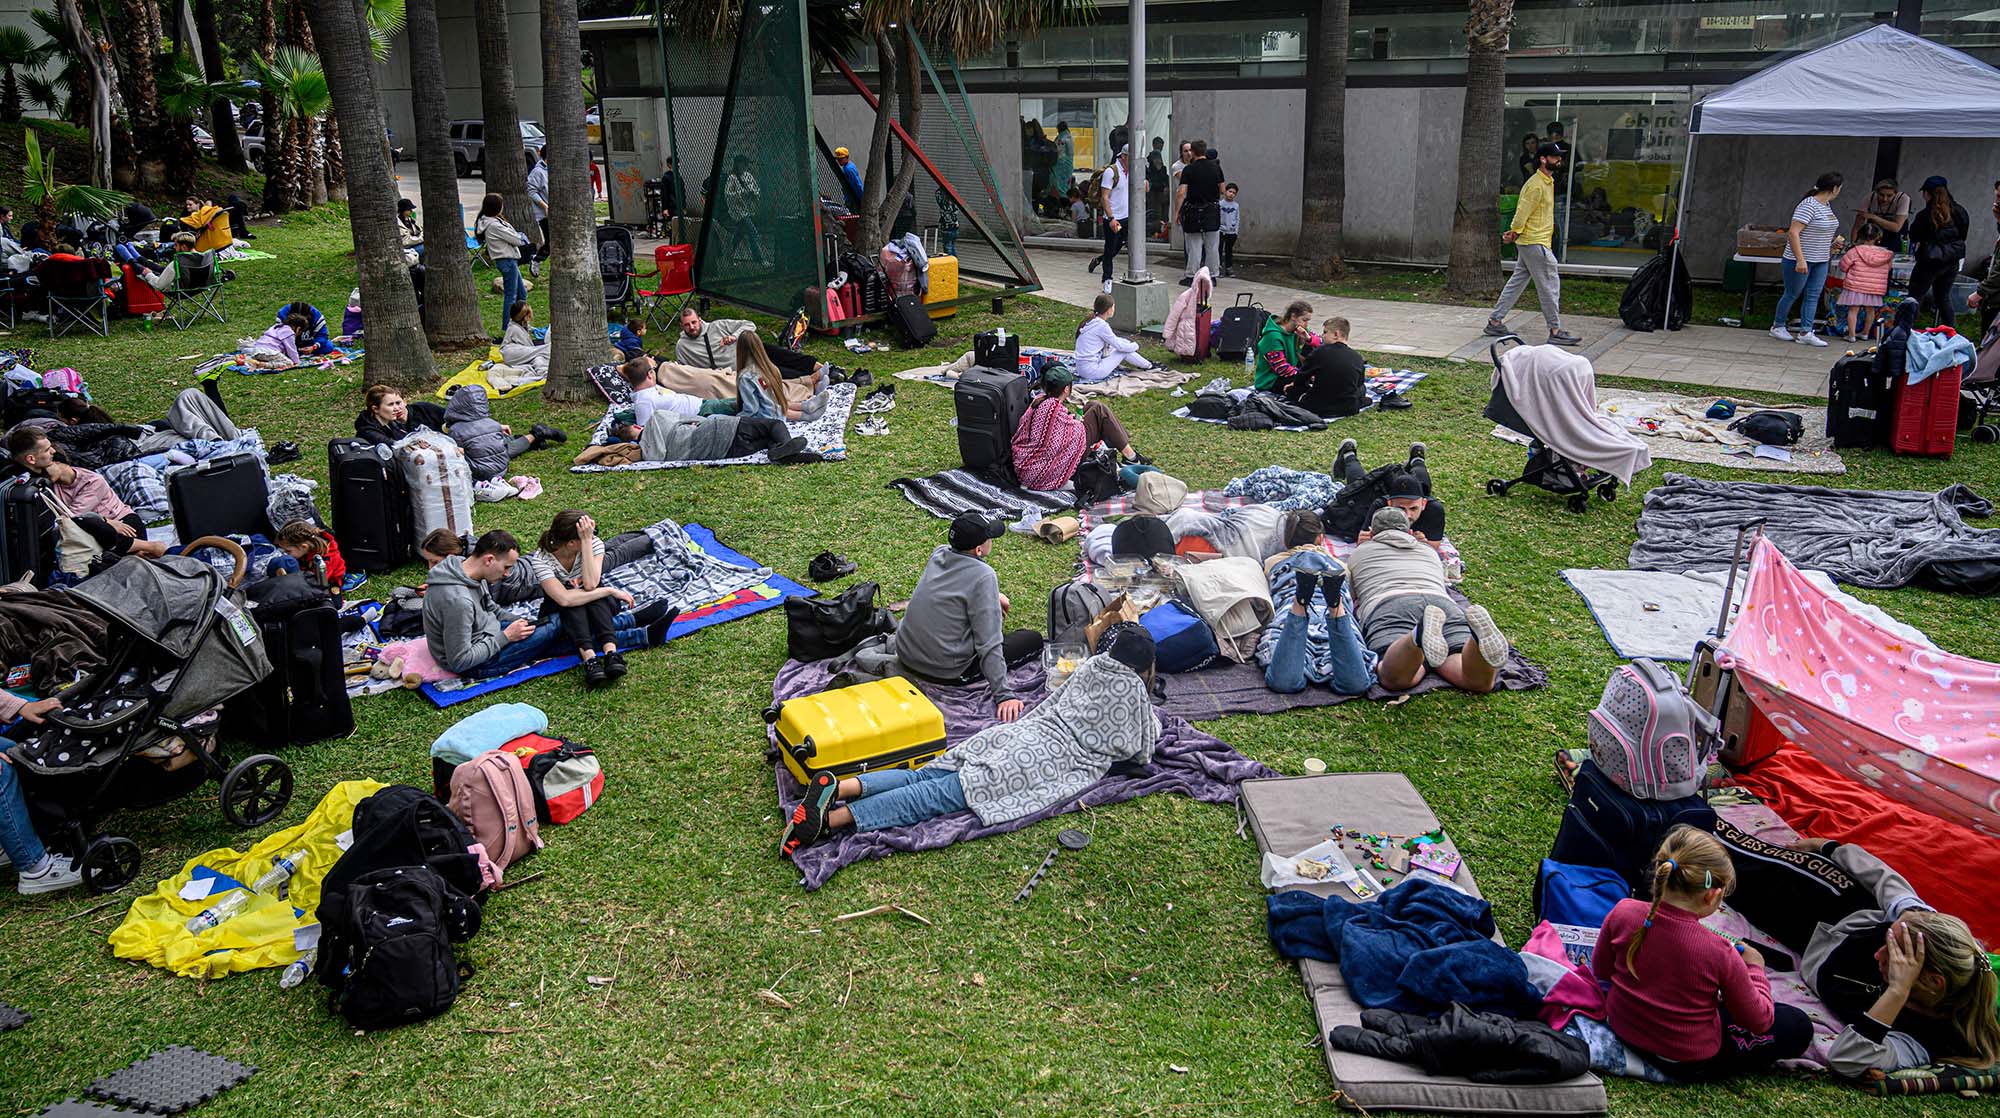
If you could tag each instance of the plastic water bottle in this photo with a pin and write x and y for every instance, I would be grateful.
(214, 915)
(1250, 363)
(1000, 336)
(300, 968)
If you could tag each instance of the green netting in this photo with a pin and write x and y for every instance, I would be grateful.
(987, 246)
(759, 242)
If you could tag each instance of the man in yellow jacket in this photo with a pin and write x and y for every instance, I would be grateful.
(1531, 235)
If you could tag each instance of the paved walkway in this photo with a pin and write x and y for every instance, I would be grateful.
(1725, 357)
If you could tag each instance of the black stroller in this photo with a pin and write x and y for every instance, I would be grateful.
(1547, 467)
(615, 256)
(1981, 387)
(140, 731)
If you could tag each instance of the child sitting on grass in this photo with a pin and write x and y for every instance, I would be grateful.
(278, 347)
(630, 338)
(312, 552)
(1698, 1005)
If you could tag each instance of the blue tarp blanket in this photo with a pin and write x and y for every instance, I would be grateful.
(1417, 949)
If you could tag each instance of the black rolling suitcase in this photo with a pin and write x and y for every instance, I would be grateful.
(304, 699)
(1608, 827)
(220, 497)
(1240, 326)
(990, 404)
(1858, 408)
(912, 320)
(371, 505)
(27, 531)
(990, 352)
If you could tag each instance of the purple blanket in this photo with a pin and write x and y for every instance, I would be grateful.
(1186, 761)
(1227, 688)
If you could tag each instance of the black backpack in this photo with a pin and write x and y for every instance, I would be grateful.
(385, 946)
(1347, 514)
(404, 826)
(1096, 478)
(1772, 428)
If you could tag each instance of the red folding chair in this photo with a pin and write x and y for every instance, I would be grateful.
(140, 298)
(673, 272)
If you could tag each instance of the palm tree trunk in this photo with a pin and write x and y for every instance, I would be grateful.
(142, 107)
(875, 183)
(222, 114)
(1474, 271)
(278, 193)
(451, 302)
(97, 67)
(576, 292)
(336, 163)
(182, 158)
(311, 165)
(1319, 253)
(502, 113)
(397, 352)
(10, 96)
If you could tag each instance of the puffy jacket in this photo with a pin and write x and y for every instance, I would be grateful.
(469, 422)
(1179, 331)
(1865, 269)
(1483, 1047)
(460, 624)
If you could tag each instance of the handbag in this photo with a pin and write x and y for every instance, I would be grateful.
(822, 628)
(76, 550)
(1096, 477)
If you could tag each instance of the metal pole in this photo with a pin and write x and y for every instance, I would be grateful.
(1680, 216)
(1137, 226)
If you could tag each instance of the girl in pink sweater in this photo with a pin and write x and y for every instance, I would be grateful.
(1865, 272)
(1696, 1004)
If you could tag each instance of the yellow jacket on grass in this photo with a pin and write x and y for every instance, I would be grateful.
(261, 935)
(1535, 213)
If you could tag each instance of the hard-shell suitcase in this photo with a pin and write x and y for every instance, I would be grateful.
(943, 286)
(1747, 736)
(371, 505)
(916, 326)
(27, 531)
(220, 497)
(1240, 326)
(886, 724)
(990, 351)
(1204, 331)
(1925, 414)
(1605, 826)
(440, 484)
(304, 699)
(990, 404)
(822, 309)
(1857, 402)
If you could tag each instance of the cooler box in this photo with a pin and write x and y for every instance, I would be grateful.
(887, 724)
(944, 285)
(1925, 415)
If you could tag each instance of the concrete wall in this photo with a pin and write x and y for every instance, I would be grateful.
(461, 66)
(1402, 172)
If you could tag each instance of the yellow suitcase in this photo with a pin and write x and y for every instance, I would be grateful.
(887, 724)
(944, 285)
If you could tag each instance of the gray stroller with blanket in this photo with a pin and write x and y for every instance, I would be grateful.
(1547, 395)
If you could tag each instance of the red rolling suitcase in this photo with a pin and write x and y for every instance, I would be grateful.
(1925, 414)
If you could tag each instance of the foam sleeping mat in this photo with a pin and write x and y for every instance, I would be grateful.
(1289, 814)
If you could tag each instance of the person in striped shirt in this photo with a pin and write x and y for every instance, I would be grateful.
(1808, 249)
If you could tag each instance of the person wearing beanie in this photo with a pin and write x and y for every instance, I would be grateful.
(1409, 490)
(1052, 440)
(952, 631)
(1103, 716)
(1409, 621)
(1320, 646)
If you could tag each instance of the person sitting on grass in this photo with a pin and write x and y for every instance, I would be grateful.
(88, 497)
(711, 344)
(1281, 347)
(277, 347)
(1305, 646)
(40, 870)
(387, 418)
(1409, 621)
(762, 390)
(1409, 491)
(629, 338)
(1333, 379)
(490, 446)
(1100, 352)
(951, 632)
(518, 586)
(1052, 440)
(569, 564)
(312, 553)
(1102, 717)
(462, 626)
(518, 346)
(313, 339)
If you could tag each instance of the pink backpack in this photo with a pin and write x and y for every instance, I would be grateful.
(65, 378)
(1649, 737)
(491, 794)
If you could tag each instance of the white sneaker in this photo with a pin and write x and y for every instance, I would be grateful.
(1490, 643)
(1779, 332)
(57, 874)
(1430, 637)
(1810, 338)
(1107, 287)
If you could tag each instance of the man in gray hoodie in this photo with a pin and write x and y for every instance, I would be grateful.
(951, 632)
(1407, 618)
(462, 623)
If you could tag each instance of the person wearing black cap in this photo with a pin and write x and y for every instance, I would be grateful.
(1409, 490)
(1410, 621)
(951, 632)
(1103, 716)
(1937, 238)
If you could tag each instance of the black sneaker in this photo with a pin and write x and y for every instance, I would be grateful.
(614, 665)
(793, 452)
(1393, 401)
(593, 673)
(282, 453)
(826, 566)
(1496, 328)
(861, 378)
(1330, 583)
(547, 434)
(836, 375)
(1348, 449)
(807, 823)
(656, 631)
(1305, 584)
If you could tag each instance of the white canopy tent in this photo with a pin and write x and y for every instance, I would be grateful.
(1876, 82)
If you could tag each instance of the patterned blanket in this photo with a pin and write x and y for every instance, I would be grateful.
(1381, 382)
(233, 363)
(946, 495)
(1035, 358)
(827, 435)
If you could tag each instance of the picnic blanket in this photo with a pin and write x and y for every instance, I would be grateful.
(233, 363)
(481, 373)
(1380, 383)
(955, 491)
(1130, 382)
(1663, 616)
(826, 435)
(1873, 538)
(1186, 760)
(1678, 428)
(236, 252)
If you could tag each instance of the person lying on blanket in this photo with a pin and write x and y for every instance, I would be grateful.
(1102, 717)
(649, 396)
(387, 418)
(569, 565)
(706, 438)
(1052, 440)
(951, 632)
(1910, 985)
(463, 628)
(1333, 379)
(88, 497)
(313, 339)
(1409, 621)
(1303, 648)
(1410, 492)
(1100, 352)
(712, 345)
(761, 390)
(489, 445)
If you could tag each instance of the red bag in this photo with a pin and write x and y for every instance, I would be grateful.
(565, 777)
(1202, 327)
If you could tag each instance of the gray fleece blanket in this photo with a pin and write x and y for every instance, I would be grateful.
(1873, 538)
(1224, 688)
(1185, 761)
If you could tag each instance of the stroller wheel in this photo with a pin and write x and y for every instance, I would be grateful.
(1579, 502)
(256, 790)
(109, 863)
(1608, 490)
(1986, 433)
(1495, 487)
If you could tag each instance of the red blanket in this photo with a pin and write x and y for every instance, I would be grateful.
(1952, 868)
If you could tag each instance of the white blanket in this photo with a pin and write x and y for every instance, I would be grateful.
(1663, 616)
(1555, 390)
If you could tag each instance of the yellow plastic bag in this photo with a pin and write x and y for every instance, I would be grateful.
(261, 935)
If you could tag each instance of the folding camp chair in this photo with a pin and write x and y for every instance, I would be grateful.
(196, 292)
(141, 299)
(673, 272)
(76, 295)
(12, 283)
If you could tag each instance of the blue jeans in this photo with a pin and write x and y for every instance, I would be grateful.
(1801, 289)
(511, 291)
(1295, 658)
(544, 642)
(901, 797)
(17, 835)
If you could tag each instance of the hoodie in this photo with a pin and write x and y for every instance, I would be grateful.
(1390, 565)
(469, 422)
(461, 626)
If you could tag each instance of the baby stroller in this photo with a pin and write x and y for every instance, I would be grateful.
(1982, 387)
(140, 731)
(615, 250)
(1572, 448)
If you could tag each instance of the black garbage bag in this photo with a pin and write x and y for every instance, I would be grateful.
(1644, 304)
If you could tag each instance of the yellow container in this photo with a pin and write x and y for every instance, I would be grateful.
(944, 285)
(887, 724)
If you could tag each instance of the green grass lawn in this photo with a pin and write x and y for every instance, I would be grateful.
(1144, 951)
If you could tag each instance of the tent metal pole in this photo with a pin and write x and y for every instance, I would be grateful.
(1673, 247)
(1138, 223)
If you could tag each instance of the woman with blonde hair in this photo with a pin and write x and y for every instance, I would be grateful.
(761, 390)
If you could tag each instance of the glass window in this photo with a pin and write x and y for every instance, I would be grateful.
(1554, 30)
(1066, 140)
(1620, 184)
(1964, 24)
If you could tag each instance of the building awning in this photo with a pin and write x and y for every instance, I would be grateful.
(1878, 82)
